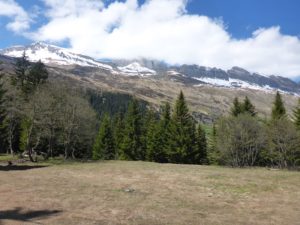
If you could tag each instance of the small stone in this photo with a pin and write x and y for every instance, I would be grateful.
(129, 190)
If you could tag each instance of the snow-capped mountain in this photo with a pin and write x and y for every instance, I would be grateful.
(188, 74)
(135, 69)
(50, 54)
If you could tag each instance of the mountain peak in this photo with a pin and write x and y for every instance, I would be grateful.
(51, 54)
(135, 68)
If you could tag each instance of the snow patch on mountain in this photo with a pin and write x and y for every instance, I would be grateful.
(175, 73)
(50, 54)
(233, 83)
(135, 69)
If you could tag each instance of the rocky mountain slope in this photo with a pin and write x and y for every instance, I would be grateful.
(210, 91)
(192, 74)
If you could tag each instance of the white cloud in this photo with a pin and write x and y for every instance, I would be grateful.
(20, 19)
(163, 30)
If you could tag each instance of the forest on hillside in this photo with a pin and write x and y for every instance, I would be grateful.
(41, 119)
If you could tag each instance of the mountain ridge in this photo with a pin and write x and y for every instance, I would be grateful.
(235, 77)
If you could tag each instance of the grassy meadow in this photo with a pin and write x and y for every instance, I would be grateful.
(120, 192)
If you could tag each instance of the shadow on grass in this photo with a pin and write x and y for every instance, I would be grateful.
(20, 167)
(18, 214)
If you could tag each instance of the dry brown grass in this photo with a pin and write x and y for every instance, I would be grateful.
(95, 193)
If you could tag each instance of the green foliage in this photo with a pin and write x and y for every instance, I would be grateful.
(131, 147)
(3, 114)
(28, 77)
(21, 71)
(240, 140)
(38, 74)
(24, 135)
(240, 108)
(284, 144)
(201, 146)
(159, 136)
(248, 107)
(213, 155)
(296, 116)
(118, 131)
(104, 146)
(152, 138)
(112, 103)
(183, 133)
(278, 110)
(236, 108)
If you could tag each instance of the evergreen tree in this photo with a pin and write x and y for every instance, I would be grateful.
(296, 115)
(248, 107)
(152, 138)
(278, 110)
(37, 74)
(166, 142)
(21, 70)
(28, 77)
(118, 130)
(236, 108)
(131, 147)
(104, 147)
(183, 133)
(2, 115)
(201, 146)
(213, 154)
(159, 136)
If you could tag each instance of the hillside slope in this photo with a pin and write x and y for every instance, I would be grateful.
(209, 91)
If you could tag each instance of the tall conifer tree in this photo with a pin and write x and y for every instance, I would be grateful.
(278, 110)
(236, 108)
(296, 114)
(21, 71)
(118, 130)
(131, 147)
(104, 147)
(248, 107)
(201, 146)
(2, 114)
(183, 133)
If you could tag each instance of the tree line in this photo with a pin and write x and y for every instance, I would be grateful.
(173, 137)
(243, 139)
(40, 116)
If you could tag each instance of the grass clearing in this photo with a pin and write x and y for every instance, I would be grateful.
(119, 192)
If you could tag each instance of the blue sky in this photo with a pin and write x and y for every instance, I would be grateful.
(244, 16)
(234, 27)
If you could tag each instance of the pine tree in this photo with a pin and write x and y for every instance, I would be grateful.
(183, 133)
(104, 147)
(201, 146)
(152, 138)
(2, 114)
(166, 142)
(296, 115)
(236, 108)
(278, 110)
(118, 130)
(248, 107)
(131, 147)
(159, 136)
(28, 76)
(213, 153)
(37, 74)
(21, 71)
